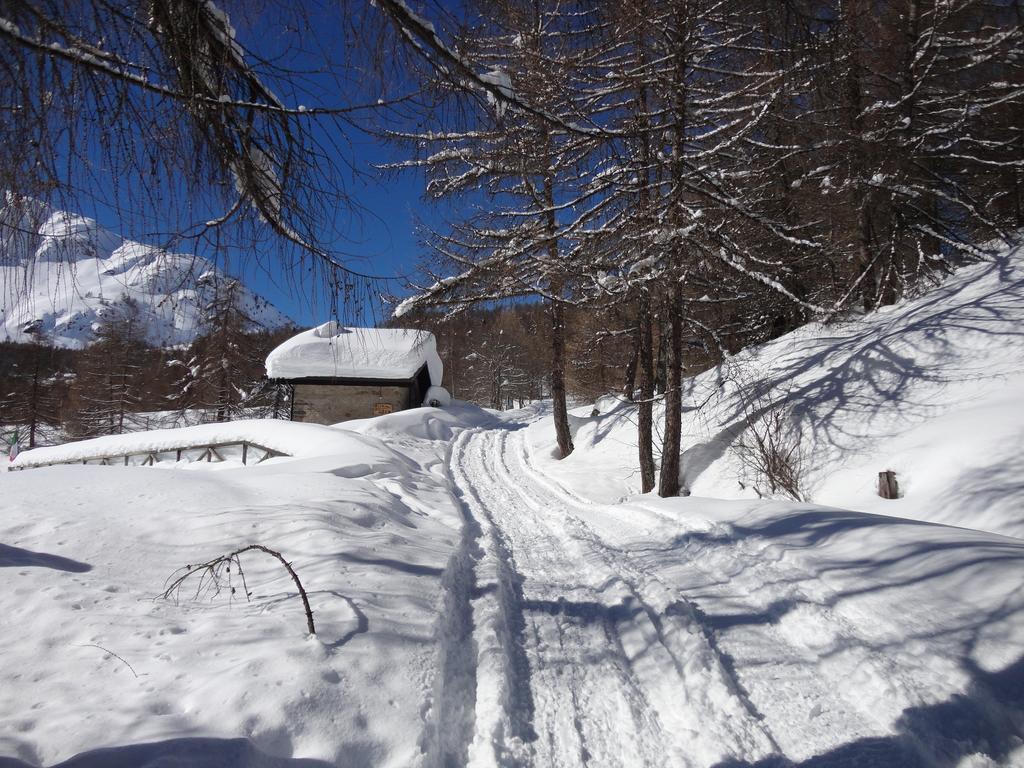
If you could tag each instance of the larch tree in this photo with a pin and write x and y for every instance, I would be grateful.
(225, 362)
(34, 389)
(109, 381)
(520, 172)
(688, 223)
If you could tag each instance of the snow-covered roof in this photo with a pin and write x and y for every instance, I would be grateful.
(334, 351)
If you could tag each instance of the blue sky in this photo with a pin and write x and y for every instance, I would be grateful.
(384, 242)
(381, 241)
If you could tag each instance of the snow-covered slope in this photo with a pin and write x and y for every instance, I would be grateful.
(96, 665)
(696, 632)
(59, 272)
(932, 388)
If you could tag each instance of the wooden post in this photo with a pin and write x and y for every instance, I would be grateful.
(245, 452)
(888, 488)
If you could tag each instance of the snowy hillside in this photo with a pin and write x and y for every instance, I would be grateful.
(471, 609)
(931, 388)
(59, 272)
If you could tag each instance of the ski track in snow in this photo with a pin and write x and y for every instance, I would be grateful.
(783, 686)
(572, 640)
(581, 657)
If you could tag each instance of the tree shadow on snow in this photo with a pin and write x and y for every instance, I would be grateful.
(986, 718)
(999, 486)
(15, 557)
(413, 569)
(871, 374)
(362, 620)
(191, 753)
(935, 736)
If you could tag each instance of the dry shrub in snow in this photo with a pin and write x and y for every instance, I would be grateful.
(771, 454)
(216, 575)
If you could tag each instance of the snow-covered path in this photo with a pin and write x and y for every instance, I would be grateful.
(616, 672)
(582, 635)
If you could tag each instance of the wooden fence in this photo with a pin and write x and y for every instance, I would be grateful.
(246, 450)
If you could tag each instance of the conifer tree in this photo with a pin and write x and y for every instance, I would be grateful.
(34, 389)
(109, 381)
(226, 364)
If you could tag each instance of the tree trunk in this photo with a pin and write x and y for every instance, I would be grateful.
(33, 414)
(645, 420)
(122, 396)
(661, 369)
(629, 388)
(223, 395)
(645, 332)
(557, 312)
(870, 283)
(668, 484)
(562, 435)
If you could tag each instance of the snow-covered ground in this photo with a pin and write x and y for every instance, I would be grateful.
(700, 632)
(479, 603)
(290, 438)
(930, 388)
(92, 658)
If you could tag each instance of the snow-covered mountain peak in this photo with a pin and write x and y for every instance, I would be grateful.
(58, 270)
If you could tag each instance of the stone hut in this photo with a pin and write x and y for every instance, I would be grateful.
(338, 373)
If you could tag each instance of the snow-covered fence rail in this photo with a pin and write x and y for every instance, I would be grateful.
(189, 451)
(247, 441)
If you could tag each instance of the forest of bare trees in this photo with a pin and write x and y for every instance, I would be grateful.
(119, 383)
(632, 190)
(706, 175)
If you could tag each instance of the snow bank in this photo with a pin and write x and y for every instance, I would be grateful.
(291, 438)
(858, 639)
(424, 423)
(330, 350)
(930, 388)
(104, 673)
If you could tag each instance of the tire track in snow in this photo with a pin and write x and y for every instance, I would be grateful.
(675, 618)
(449, 730)
(590, 707)
(496, 726)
